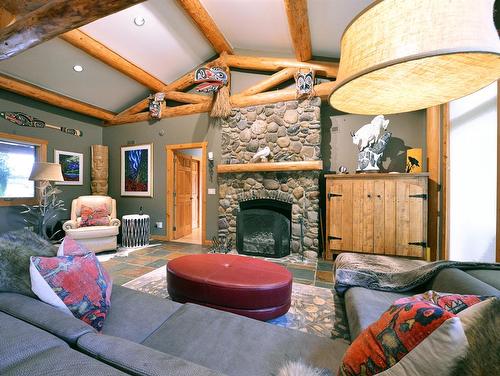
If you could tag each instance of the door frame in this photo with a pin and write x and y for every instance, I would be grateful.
(170, 186)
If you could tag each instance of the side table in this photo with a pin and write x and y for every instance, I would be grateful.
(135, 230)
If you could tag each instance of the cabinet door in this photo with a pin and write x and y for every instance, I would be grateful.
(340, 215)
(410, 218)
(379, 223)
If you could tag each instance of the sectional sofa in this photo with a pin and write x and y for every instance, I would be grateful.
(147, 335)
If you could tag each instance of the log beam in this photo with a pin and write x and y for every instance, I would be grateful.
(298, 24)
(52, 19)
(96, 49)
(187, 109)
(274, 80)
(35, 92)
(206, 24)
(273, 64)
(179, 96)
(322, 90)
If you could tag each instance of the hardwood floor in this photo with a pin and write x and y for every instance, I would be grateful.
(193, 238)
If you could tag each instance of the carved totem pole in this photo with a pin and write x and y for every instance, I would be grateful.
(99, 182)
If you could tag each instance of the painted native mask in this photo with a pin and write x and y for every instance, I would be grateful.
(155, 105)
(210, 79)
(304, 83)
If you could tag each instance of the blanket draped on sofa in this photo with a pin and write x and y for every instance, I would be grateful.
(391, 273)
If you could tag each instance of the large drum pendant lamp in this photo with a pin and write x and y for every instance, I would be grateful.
(405, 55)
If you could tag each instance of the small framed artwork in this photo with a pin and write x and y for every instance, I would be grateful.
(137, 170)
(71, 166)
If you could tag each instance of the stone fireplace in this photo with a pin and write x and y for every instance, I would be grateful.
(271, 213)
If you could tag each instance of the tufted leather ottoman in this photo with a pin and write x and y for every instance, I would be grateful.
(246, 286)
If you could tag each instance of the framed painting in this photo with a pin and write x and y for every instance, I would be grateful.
(71, 166)
(137, 170)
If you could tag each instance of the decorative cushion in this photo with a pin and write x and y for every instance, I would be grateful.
(77, 285)
(481, 324)
(70, 247)
(97, 216)
(16, 248)
(453, 303)
(404, 342)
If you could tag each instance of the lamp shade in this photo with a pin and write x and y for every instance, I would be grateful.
(405, 55)
(46, 171)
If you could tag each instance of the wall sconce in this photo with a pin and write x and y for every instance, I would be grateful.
(211, 165)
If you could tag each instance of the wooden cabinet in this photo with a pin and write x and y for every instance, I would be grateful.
(377, 213)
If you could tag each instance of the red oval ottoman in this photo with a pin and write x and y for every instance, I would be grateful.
(246, 286)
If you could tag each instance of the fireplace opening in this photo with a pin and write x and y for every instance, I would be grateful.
(263, 228)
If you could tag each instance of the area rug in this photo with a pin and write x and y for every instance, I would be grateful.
(314, 310)
(122, 252)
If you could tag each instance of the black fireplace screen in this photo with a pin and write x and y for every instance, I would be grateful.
(263, 228)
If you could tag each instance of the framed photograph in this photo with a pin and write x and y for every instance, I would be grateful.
(71, 166)
(137, 170)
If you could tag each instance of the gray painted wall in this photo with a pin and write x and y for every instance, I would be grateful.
(408, 131)
(179, 130)
(10, 218)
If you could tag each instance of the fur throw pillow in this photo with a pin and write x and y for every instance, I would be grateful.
(16, 248)
(481, 324)
(298, 368)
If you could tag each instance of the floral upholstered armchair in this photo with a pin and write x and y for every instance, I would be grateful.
(93, 222)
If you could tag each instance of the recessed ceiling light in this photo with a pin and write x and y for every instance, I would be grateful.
(139, 20)
(77, 68)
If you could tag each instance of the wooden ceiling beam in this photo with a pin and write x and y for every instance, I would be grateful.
(322, 90)
(35, 92)
(179, 96)
(274, 80)
(206, 24)
(96, 49)
(53, 18)
(298, 24)
(180, 84)
(273, 64)
(186, 109)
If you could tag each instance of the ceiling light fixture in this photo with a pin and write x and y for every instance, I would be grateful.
(139, 20)
(77, 68)
(406, 55)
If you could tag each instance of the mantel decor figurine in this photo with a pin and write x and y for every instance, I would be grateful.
(371, 139)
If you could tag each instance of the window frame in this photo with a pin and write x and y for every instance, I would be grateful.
(40, 156)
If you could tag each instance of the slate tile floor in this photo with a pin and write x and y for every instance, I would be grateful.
(137, 263)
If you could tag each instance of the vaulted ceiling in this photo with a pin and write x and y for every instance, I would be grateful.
(171, 44)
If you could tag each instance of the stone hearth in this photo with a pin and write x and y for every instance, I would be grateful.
(292, 131)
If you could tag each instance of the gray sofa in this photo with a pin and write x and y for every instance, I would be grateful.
(146, 335)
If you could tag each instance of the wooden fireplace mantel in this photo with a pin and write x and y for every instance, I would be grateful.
(270, 166)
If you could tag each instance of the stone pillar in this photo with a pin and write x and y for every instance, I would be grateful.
(100, 163)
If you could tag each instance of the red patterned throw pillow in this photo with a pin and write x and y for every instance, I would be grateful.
(453, 303)
(413, 337)
(77, 285)
(70, 247)
(97, 216)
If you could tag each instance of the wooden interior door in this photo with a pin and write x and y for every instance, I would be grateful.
(182, 195)
(195, 193)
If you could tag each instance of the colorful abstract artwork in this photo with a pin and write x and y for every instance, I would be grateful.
(137, 170)
(71, 166)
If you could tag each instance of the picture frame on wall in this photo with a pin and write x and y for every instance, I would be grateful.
(136, 175)
(71, 166)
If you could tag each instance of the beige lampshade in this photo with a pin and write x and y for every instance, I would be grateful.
(46, 171)
(405, 55)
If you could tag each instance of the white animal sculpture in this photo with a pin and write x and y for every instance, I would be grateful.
(261, 155)
(369, 133)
